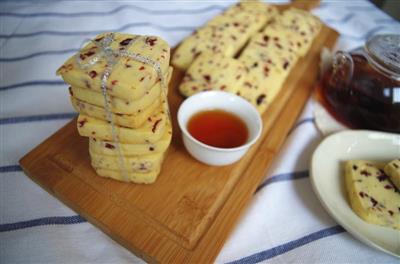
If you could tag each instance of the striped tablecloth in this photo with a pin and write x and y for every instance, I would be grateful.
(284, 222)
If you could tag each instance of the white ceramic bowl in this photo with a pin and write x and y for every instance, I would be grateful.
(211, 100)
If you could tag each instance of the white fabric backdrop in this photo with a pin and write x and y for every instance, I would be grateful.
(284, 223)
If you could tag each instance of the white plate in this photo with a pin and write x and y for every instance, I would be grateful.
(328, 183)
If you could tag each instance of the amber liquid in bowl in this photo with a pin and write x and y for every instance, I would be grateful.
(218, 128)
(370, 101)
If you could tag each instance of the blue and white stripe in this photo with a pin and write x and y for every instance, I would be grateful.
(36, 37)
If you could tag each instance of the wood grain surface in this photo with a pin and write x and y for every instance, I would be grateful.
(188, 213)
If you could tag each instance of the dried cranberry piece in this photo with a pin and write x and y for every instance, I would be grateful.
(373, 201)
(125, 42)
(89, 53)
(207, 77)
(109, 146)
(141, 68)
(248, 84)
(365, 173)
(92, 74)
(151, 41)
(382, 177)
(266, 70)
(260, 99)
(286, 65)
(155, 126)
(82, 122)
(266, 38)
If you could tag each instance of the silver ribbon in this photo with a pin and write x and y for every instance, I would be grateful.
(112, 57)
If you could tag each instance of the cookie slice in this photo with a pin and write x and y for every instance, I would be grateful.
(151, 131)
(213, 72)
(108, 148)
(129, 78)
(265, 72)
(117, 105)
(278, 31)
(392, 169)
(136, 177)
(260, 91)
(303, 24)
(372, 196)
(275, 51)
(252, 92)
(134, 120)
(143, 164)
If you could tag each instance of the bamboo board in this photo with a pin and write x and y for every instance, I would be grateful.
(186, 216)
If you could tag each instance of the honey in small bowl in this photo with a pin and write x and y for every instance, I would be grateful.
(218, 128)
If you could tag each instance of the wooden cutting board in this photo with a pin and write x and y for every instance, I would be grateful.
(186, 216)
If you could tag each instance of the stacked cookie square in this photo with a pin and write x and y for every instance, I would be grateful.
(124, 113)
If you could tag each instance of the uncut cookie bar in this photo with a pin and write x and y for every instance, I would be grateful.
(392, 169)
(129, 79)
(104, 147)
(213, 72)
(372, 196)
(151, 131)
(145, 163)
(136, 177)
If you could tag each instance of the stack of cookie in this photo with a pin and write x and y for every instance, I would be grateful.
(118, 86)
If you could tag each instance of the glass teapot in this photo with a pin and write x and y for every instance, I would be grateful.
(362, 88)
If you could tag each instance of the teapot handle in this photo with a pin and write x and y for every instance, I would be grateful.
(343, 69)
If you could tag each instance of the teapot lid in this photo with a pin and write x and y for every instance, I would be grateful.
(385, 51)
